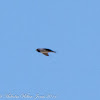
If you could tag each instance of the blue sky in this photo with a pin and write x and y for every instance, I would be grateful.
(71, 28)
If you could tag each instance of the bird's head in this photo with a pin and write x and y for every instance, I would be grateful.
(37, 50)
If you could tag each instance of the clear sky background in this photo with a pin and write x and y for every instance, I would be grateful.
(71, 28)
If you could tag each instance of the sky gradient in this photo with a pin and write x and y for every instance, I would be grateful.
(69, 27)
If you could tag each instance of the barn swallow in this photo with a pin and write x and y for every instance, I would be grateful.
(45, 51)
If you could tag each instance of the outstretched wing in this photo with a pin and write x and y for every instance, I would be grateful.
(48, 49)
(46, 54)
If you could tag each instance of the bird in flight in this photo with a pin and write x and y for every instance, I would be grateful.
(45, 51)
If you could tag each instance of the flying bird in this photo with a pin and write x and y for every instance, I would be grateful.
(45, 51)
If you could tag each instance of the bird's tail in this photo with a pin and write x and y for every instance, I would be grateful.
(54, 51)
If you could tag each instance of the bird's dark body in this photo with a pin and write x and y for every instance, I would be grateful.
(45, 51)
